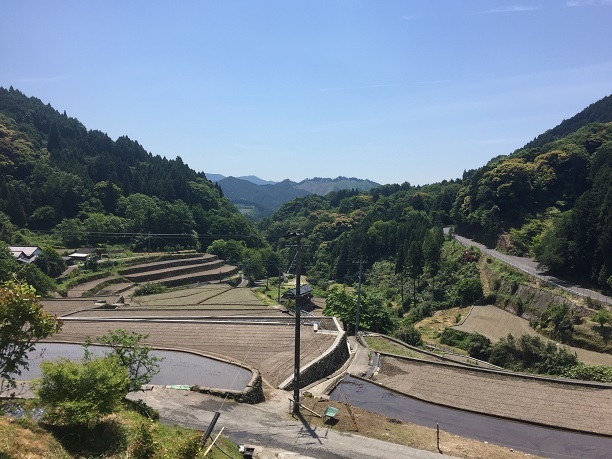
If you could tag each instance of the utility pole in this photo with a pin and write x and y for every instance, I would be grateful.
(296, 369)
(279, 283)
(358, 296)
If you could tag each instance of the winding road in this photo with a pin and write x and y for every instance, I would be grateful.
(530, 266)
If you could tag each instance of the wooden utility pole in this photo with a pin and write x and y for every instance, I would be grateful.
(358, 297)
(296, 369)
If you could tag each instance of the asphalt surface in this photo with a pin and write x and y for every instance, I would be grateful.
(262, 427)
(530, 266)
(529, 438)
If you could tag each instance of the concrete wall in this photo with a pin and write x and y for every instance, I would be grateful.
(325, 365)
(252, 394)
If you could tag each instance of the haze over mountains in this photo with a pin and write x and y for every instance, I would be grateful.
(257, 198)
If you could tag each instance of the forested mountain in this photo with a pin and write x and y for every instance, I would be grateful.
(58, 175)
(322, 186)
(551, 199)
(258, 200)
(344, 226)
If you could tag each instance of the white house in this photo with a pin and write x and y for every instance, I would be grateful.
(26, 254)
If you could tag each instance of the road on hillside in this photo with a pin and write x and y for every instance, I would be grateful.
(530, 267)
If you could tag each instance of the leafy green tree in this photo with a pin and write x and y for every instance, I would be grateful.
(81, 393)
(341, 303)
(374, 314)
(23, 322)
(602, 317)
(132, 354)
(230, 250)
(7, 229)
(50, 262)
(408, 334)
(70, 232)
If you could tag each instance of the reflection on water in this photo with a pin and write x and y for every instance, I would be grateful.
(175, 368)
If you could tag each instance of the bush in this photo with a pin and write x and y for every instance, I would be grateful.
(601, 373)
(143, 446)
(150, 288)
(190, 448)
(81, 393)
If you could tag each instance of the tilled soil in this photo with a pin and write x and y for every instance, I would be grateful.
(547, 402)
(268, 348)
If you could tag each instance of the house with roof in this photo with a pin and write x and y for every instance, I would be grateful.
(303, 298)
(82, 254)
(25, 254)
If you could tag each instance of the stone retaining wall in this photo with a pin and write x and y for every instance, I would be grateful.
(252, 394)
(325, 365)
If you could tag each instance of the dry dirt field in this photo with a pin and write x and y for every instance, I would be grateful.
(535, 400)
(495, 323)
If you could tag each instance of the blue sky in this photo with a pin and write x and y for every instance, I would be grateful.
(392, 91)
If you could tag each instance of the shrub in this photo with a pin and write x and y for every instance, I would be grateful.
(601, 373)
(190, 448)
(143, 446)
(150, 288)
(81, 393)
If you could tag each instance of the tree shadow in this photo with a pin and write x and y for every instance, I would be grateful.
(103, 439)
(604, 332)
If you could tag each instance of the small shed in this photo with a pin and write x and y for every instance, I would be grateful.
(82, 253)
(304, 296)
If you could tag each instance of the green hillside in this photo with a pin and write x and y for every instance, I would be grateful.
(551, 199)
(80, 185)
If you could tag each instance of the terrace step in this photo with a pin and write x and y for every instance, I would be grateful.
(214, 274)
(158, 265)
(174, 271)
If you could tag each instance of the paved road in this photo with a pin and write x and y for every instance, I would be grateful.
(530, 266)
(269, 432)
(529, 438)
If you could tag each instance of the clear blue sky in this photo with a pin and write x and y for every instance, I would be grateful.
(391, 91)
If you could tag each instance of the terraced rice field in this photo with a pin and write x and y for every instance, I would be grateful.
(535, 400)
(216, 320)
(495, 323)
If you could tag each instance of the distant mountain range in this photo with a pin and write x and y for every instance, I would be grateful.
(257, 198)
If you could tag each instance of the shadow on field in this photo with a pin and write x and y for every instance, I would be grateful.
(101, 440)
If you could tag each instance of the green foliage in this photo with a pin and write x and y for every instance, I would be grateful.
(150, 288)
(81, 393)
(374, 315)
(408, 334)
(23, 322)
(190, 448)
(50, 262)
(531, 353)
(559, 315)
(600, 373)
(230, 250)
(133, 355)
(475, 344)
(602, 317)
(143, 445)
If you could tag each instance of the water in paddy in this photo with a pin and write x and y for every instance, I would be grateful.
(175, 368)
